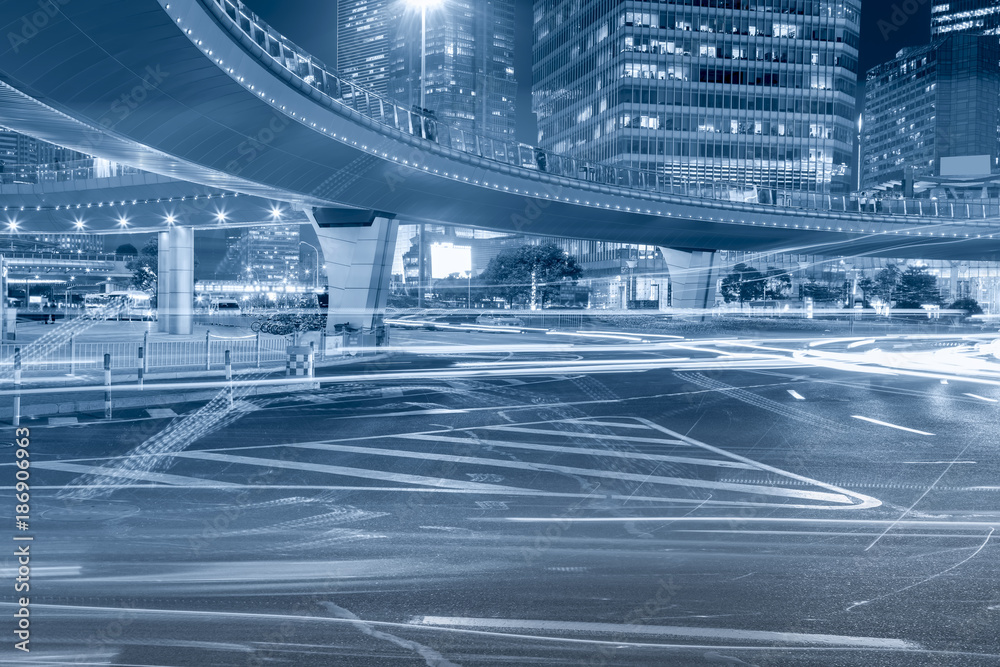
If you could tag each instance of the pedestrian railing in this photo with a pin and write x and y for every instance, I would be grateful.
(157, 355)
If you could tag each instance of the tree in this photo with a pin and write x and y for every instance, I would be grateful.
(886, 282)
(969, 305)
(512, 273)
(144, 266)
(777, 283)
(745, 283)
(126, 249)
(916, 288)
(867, 287)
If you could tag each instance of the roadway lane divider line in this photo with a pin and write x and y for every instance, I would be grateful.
(796, 395)
(896, 426)
(983, 398)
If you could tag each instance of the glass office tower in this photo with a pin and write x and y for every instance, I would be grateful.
(981, 17)
(934, 101)
(470, 64)
(752, 92)
(363, 42)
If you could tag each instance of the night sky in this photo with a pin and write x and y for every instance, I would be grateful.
(312, 24)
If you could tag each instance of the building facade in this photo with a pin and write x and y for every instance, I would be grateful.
(21, 156)
(981, 17)
(470, 82)
(751, 93)
(270, 253)
(931, 102)
(364, 40)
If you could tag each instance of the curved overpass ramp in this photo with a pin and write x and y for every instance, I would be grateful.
(182, 89)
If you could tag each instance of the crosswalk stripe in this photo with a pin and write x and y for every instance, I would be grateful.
(582, 451)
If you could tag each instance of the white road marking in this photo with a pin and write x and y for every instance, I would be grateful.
(983, 398)
(865, 501)
(882, 423)
(128, 474)
(580, 450)
(667, 630)
(574, 434)
(796, 395)
(343, 471)
(570, 470)
(867, 341)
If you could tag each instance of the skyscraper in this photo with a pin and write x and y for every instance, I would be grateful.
(981, 17)
(470, 64)
(718, 92)
(364, 41)
(928, 103)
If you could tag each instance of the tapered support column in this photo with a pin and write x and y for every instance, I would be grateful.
(358, 261)
(693, 277)
(163, 281)
(180, 280)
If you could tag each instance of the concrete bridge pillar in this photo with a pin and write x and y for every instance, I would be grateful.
(693, 277)
(175, 280)
(358, 248)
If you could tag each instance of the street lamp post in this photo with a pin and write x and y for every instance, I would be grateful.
(316, 252)
(422, 5)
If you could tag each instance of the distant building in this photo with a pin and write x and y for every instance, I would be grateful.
(270, 253)
(980, 17)
(364, 31)
(470, 65)
(21, 156)
(721, 91)
(61, 244)
(931, 102)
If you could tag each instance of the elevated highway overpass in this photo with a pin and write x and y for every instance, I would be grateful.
(202, 91)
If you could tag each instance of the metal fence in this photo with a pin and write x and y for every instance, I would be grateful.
(207, 353)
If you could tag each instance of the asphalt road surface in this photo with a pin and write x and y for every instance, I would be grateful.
(739, 505)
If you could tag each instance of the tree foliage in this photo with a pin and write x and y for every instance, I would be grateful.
(969, 305)
(916, 288)
(510, 275)
(144, 266)
(820, 292)
(743, 284)
(886, 283)
(777, 283)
